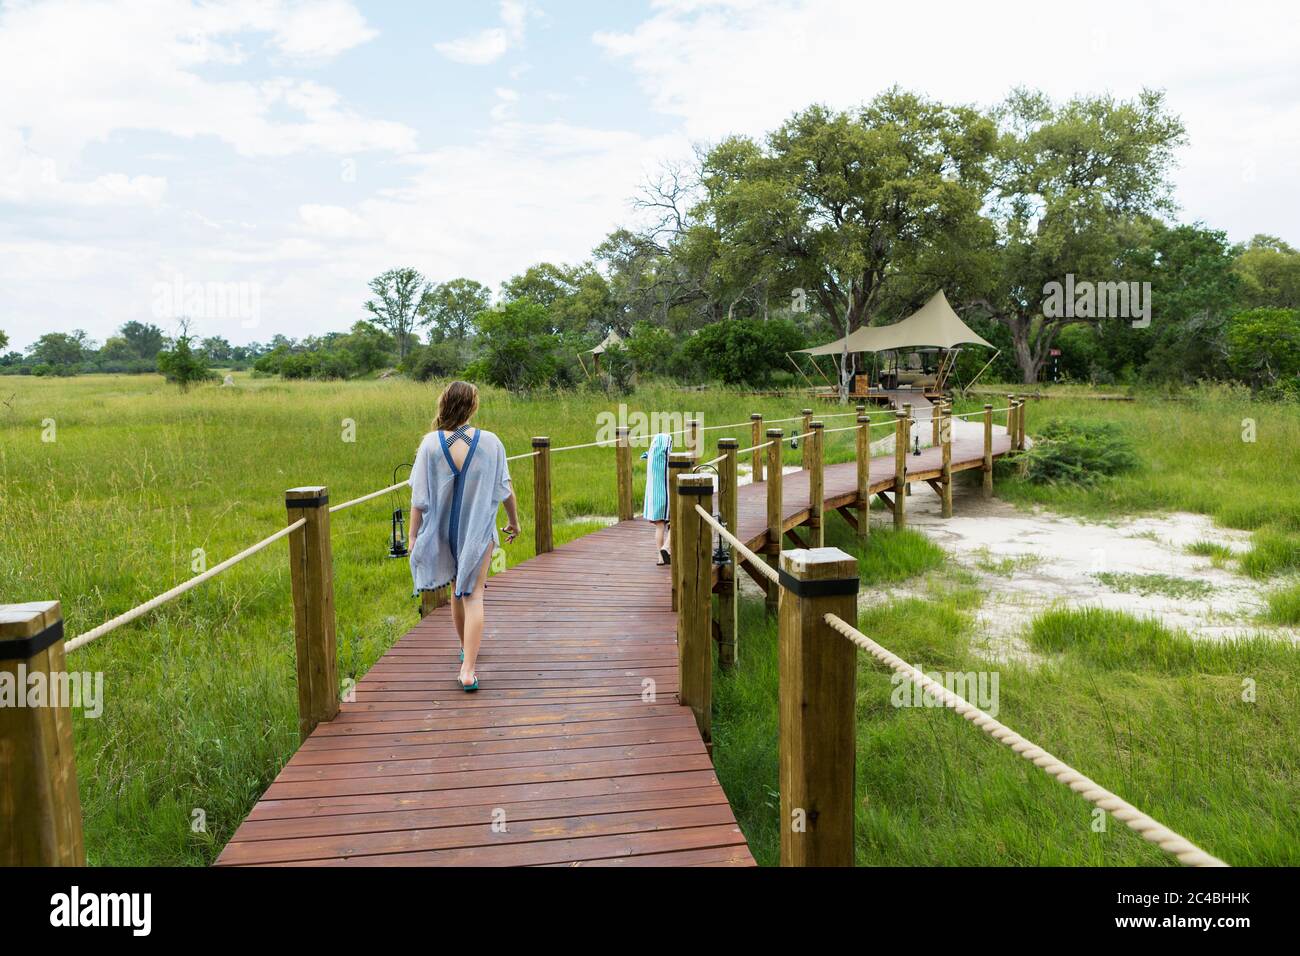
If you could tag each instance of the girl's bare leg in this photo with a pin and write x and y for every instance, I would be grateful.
(471, 607)
(458, 616)
(660, 527)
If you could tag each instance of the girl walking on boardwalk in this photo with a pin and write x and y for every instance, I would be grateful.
(655, 507)
(459, 480)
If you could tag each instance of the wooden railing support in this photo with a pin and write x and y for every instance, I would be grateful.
(988, 451)
(40, 809)
(693, 438)
(863, 504)
(1011, 420)
(901, 429)
(694, 620)
(623, 465)
(936, 414)
(728, 604)
(311, 573)
(679, 462)
(816, 485)
(945, 439)
(756, 439)
(803, 442)
(1020, 424)
(542, 533)
(817, 669)
(772, 550)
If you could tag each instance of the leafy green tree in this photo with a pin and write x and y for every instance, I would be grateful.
(63, 353)
(182, 363)
(742, 351)
(1264, 348)
(650, 348)
(1270, 273)
(4, 339)
(146, 340)
(577, 298)
(452, 307)
(216, 348)
(1076, 186)
(369, 346)
(402, 301)
(518, 347)
(835, 201)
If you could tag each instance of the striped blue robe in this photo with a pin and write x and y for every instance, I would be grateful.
(655, 507)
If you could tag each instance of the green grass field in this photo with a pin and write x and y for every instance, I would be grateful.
(200, 709)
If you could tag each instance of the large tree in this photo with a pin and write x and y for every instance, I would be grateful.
(452, 307)
(401, 302)
(1076, 186)
(145, 339)
(833, 202)
(1270, 272)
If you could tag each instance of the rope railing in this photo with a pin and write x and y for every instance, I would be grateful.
(758, 564)
(369, 497)
(142, 609)
(1186, 852)
(754, 448)
(980, 411)
(527, 454)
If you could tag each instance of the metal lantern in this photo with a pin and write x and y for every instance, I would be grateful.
(916, 444)
(398, 547)
(722, 553)
(397, 541)
(794, 441)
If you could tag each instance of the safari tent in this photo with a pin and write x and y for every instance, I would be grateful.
(607, 342)
(932, 331)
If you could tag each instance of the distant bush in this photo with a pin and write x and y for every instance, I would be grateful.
(519, 348)
(437, 360)
(1077, 452)
(742, 351)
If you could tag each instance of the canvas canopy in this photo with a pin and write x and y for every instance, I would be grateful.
(609, 342)
(934, 325)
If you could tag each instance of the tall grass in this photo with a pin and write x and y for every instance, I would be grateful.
(200, 708)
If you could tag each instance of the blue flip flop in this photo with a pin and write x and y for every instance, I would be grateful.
(470, 688)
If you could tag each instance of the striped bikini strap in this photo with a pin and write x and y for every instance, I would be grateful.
(458, 435)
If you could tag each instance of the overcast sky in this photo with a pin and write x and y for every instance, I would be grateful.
(289, 151)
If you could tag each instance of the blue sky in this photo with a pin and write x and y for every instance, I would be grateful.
(295, 148)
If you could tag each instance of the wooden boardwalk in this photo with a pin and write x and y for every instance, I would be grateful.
(563, 758)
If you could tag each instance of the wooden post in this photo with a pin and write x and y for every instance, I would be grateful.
(1020, 424)
(694, 620)
(430, 601)
(945, 437)
(542, 495)
(311, 572)
(816, 485)
(679, 462)
(693, 437)
(901, 430)
(817, 668)
(861, 408)
(623, 463)
(803, 448)
(988, 451)
(773, 549)
(864, 476)
(756, 438)
(1011, 420)
(40, 809)
(728, 605)
(936, 413)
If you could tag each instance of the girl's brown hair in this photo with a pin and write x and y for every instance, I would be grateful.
(456, 405)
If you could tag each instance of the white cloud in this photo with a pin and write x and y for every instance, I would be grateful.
(76, 71)
(488, 46)
(743, 66)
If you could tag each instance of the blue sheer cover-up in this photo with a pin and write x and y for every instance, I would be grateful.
(655, 506)
(459, 509)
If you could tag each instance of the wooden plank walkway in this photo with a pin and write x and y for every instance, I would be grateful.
(558, 760)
